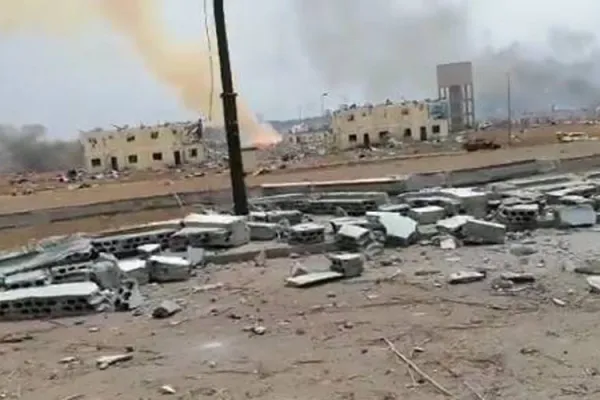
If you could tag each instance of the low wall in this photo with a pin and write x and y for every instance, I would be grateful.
(391, 185)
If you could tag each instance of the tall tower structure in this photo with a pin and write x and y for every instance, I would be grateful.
(455, 85)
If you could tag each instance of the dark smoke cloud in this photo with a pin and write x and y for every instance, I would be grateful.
(389, 52)
(27, 149)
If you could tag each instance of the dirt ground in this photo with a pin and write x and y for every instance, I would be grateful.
(532, 342)
(177, 184)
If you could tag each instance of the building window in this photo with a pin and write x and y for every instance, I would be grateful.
(435, 129)
(351, 117)
(383, 135)
(96, 162)
(132, 159)
(405, 111)
(407, 133)
(157, 156)
(352, 138)
(130, 138)
(154, 135)
(193, 153)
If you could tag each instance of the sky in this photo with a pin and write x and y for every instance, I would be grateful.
(96, 79)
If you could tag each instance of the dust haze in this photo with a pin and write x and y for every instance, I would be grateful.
(373, 46)
(181, 66)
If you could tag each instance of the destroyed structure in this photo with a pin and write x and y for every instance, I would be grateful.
(103, 272)
(142, 147)
(355, 126)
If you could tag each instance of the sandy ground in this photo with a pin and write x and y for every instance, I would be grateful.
(174, 184)
(326, 342)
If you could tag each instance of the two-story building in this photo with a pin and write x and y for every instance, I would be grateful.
(142, 147)
(368, 125)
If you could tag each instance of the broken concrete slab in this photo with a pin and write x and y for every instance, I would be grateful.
(452, 225)
(313, 278)
(577, 216)
(484, 232)
(518, 277)
(399, 230)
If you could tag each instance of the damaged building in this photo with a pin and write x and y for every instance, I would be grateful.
(142, 147)
(363, 126)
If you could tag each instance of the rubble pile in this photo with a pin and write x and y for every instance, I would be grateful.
(64, 276)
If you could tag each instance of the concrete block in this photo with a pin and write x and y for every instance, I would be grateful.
(349, 264)
(238, 232)
(484, 232)
(126, 245)
(264, 230)
(575, 216)
(135, 268)
(427, 215)
(519, 216)
(26, 280)
(294, 216)
(200, 237)
(169, 268)
(307, 233)
(71, 273)
(352, 237)
(128, 296)
(473, 200)
(50, 301)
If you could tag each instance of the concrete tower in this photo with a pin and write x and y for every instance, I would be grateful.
(455, 85)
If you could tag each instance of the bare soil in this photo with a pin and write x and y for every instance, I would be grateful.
(176, 184)
(327, 342)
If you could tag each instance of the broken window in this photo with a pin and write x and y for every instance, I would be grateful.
(351, 117)
(96, 162)
(130, 138)
(405, 111)
(157, 156)
(132, 159)
(154, 135)
(383, 135)
(435, 129)
(352, 138)
(407, 133)
(193, 153)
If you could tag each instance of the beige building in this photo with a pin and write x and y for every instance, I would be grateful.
(369, 125)
(143, 147)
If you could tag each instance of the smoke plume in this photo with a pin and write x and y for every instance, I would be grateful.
(387, 51)
(27, 149)
(185, 67)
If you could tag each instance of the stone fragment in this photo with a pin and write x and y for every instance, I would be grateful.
(518, 277)
(594, 283)
(576, 216)
(465, 277)
(521, 250)
(104, 362)
(166, 309)
(313, 278)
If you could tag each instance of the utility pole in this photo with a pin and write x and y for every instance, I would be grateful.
(236, 167)
(509, 105)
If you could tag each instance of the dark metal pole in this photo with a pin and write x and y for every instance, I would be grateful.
(509, 105)
(236, 168)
